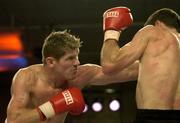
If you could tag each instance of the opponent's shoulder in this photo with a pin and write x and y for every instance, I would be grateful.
(156, 33)
(149, 32)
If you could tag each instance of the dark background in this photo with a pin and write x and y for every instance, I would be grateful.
(35, 19)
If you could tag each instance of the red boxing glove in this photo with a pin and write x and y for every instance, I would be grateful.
(70, 100)
(115, 20)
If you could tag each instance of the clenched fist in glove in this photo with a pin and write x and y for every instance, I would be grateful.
(70, 100)
(115, 20)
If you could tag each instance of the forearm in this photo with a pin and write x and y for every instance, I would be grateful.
(114, 21)
(109, 51)
(110, 54)
(23, 116)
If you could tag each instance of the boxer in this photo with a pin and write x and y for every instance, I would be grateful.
(157, 48)
(45, 93)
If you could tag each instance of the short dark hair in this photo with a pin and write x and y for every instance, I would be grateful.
(168, 16)
(58, 42)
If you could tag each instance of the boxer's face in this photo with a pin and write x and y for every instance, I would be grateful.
(67, 65)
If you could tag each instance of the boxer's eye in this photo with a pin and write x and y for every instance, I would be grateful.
(71, 58)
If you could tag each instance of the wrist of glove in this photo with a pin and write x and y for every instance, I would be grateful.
(115, 20)
(111, 34)
(70, 100)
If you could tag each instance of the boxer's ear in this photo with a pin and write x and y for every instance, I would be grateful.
(157, 22)
(160, 23)
(50, 61)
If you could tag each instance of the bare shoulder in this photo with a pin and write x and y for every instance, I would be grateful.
(149, 32)
(22, 73)
(27, 72)
(86, 73)
(158, 33)
(25, 76)
(89, 67)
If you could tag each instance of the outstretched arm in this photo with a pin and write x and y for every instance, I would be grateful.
(128, 74)
(92, 74)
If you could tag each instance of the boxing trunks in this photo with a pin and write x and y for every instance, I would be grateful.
(157, 116)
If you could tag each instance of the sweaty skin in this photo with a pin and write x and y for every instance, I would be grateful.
(159, 80)
(158, 50)
(36, 84)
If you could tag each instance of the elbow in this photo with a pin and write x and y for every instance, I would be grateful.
(113, 66)
(13, 118)
(108, 69)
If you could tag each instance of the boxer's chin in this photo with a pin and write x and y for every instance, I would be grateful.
(72, 76)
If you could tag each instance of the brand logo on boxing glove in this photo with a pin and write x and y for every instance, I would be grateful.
(68, 98)
(112, 14)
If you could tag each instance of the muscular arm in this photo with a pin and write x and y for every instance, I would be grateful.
(91, 74)
(18, 109)
(114, 58)
(128, 74)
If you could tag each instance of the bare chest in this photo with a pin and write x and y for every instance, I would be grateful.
(42, 92)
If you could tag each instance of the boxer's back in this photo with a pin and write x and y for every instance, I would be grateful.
(158, 80)
(177, 97)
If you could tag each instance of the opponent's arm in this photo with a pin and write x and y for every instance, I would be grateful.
(114, 58)
(128, 74)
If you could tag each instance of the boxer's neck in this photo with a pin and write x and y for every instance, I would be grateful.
(54, 79)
